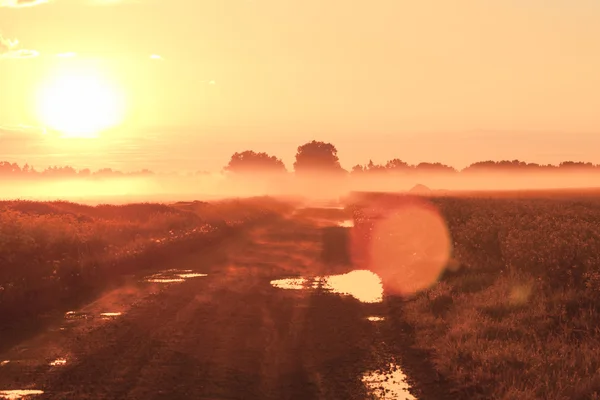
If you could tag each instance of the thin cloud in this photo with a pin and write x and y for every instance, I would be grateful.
(21, 53)
(8, 49)
(21, 3)
(7, 45)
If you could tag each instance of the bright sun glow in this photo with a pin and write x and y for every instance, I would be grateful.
(80, 104)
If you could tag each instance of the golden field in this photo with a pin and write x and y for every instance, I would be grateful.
(516, 315)
(51, 252)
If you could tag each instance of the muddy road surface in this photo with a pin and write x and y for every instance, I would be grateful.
(225, 324)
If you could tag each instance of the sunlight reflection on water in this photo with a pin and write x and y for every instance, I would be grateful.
(290, 283)
(58, 362)
(388, 384)
(18, 394)
(191, 275)
(164, 280)
(363, 285)
(173, 276)
(110, 315)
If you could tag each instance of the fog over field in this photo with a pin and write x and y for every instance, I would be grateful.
(168, 188)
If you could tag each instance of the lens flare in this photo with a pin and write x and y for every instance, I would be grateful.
(408, 245)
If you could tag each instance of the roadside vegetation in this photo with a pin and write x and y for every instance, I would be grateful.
(518, 314)
(51, 252)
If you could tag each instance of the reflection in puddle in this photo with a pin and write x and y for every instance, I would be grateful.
(18, 394)
(375, 319)
(3, 363)
(77, 315)
(58, 362)
(110, 315)
(389, 384)
(290, 283)
(191, 275)
(363, 285)
(349, 223)
(173, 276)
(165, 280)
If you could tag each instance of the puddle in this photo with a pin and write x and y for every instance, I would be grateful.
(348, 223)
(173, 276)
(191, 275)
(18, 394)
(77, 315)
(375, 319)
(291, 283)
(363, 285)
(3, 363)
(110, 315)
(58, 362)
(165, 280)
(388, 384)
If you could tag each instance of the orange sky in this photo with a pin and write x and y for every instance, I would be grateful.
(423, 80)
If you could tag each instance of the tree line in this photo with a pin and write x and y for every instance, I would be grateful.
(312, 157)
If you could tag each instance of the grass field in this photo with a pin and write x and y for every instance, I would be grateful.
(51, 252)
(518, 316)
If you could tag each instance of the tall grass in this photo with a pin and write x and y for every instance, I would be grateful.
(50, 251)
(520, 318)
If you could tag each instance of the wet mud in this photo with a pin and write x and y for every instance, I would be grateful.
(264, 316)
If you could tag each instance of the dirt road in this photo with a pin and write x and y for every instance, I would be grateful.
(212, 326)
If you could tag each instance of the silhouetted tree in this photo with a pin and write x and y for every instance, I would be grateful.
(252, 162)
(397, 165)
(434, 167)
(60, 171)
(317, 157)
(575, 165)
(7, 168)
(357, 169)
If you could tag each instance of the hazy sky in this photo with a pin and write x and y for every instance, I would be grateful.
(450, 81)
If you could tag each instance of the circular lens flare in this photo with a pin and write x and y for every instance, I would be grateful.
(407, 244)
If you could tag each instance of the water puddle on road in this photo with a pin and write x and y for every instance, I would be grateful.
(363, 285)
(192, 275)
(388, 384)
(173, 276)
(291, 283)
(19, 394)
(110, 315)
(77, 315)
(165, 280)
(58, 362)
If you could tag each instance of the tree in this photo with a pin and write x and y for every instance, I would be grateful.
(434, 167)
(317, 157)
(251, 162)
(357, 169)
(397, 165)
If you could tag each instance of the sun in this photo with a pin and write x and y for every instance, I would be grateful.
(80, 104)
